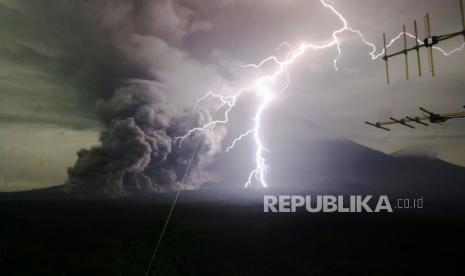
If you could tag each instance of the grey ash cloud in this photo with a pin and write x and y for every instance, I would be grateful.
(139, 150)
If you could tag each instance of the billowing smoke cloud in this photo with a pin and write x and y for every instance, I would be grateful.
(138, 151)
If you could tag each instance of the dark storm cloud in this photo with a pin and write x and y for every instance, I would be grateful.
(52, 49)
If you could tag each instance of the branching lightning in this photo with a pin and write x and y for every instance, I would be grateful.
(264, 88)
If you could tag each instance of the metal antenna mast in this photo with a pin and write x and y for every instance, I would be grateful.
(428, 42)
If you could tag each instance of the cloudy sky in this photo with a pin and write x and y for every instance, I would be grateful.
(58, 59)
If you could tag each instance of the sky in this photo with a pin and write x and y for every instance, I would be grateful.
(59, 60)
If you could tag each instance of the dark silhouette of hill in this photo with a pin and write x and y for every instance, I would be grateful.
(221, 229)
(220, 237)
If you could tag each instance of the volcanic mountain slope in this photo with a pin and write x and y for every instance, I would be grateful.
(327, 163)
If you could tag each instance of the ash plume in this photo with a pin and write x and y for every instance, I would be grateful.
(138, 150)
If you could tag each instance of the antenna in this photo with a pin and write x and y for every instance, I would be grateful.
(463, 18)
(405, 53)
(428, 42)
(385, 58)
(416, 47)
(430, 117)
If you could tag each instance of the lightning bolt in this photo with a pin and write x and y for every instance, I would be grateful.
(264, 88)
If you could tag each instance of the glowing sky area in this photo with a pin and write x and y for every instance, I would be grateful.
(302, 69)
(264, 87)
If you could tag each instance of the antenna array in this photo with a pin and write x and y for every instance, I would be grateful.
(428, 42)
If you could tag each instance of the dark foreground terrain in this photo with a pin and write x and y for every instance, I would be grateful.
(56, 235)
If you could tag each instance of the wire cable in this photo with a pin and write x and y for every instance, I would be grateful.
(186, 174)
(172, 209)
